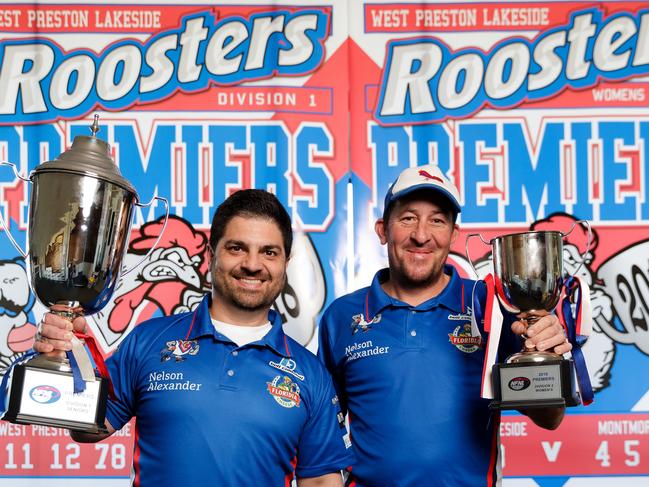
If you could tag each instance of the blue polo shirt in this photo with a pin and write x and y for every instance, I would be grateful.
(211, 413)
(410, 378)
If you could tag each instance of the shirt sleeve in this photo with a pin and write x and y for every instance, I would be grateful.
(324, 446)
(121, 366)
(327, 357)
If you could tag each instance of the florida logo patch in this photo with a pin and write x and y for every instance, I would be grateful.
(284, 391)
(462, 339)
(179, 350)
(359, 323)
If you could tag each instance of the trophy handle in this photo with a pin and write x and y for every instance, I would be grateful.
(164, 225)
(589, 240)
(466, 248)
(5, 227)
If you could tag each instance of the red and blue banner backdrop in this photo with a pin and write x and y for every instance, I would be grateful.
(536, 110)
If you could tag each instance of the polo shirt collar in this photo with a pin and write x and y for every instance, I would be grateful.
(202, 325)
(452, 297)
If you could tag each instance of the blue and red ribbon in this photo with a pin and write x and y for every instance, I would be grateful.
(574, 313)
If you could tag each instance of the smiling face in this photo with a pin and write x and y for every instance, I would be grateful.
(248, 270)
(419, 234)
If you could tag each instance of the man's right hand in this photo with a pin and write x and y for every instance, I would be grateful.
(55, 334)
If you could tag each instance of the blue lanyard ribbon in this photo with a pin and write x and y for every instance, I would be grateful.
(572, 296)
(78, 382)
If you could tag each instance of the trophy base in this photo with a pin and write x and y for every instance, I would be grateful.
(42, 393)
(534, 380)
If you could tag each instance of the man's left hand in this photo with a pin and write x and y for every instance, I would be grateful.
(546, 334)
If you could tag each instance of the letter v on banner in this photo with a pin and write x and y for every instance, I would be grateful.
(493, 323)
(551, 450)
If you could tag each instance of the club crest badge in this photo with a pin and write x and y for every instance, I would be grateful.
(287, 365)
(359, 323)
(284, 391)
(179, 350)
(462, 339)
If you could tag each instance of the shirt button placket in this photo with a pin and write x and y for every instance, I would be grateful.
(229, 369)
(413, 334)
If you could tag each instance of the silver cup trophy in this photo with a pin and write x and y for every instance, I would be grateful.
(528, 273)
(80, 216)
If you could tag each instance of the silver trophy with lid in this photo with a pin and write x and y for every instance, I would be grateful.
(80, 215)
(529, 279)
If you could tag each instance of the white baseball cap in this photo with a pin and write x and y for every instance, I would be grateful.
(423, 177)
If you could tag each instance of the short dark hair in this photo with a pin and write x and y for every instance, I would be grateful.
(434, 196)
(252, 203)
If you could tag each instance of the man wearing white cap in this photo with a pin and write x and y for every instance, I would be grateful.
(407, 369)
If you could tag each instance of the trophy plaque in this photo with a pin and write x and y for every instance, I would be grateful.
(80, 216)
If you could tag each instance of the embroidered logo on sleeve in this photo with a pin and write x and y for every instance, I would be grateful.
(284, 391)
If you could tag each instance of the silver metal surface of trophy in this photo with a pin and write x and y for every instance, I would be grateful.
(528, 274)
(80, 216)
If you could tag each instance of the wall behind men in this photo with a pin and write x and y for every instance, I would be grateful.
(534, 109)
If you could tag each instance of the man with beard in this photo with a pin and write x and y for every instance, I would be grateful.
(406, 366)
(240, 403)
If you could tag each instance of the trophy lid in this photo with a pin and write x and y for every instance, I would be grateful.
(88, 156)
